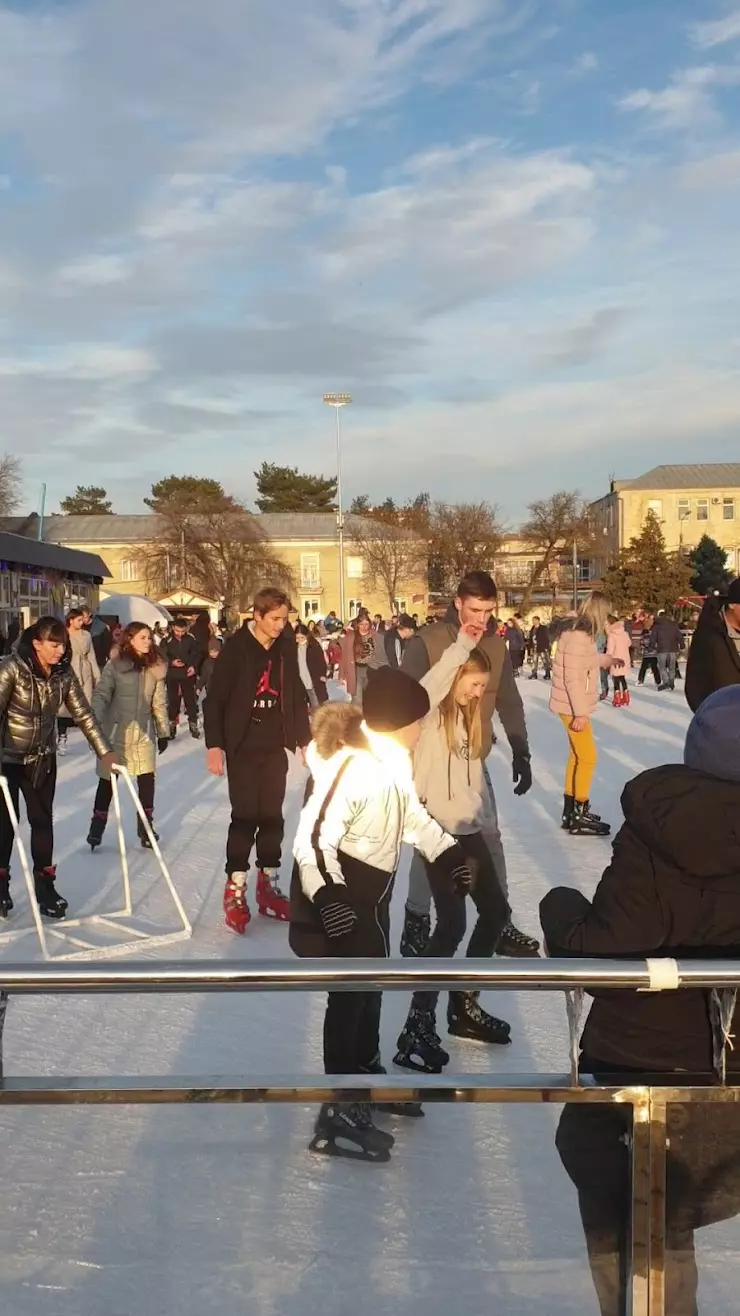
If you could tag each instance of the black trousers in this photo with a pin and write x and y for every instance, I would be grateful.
(488, 898)
(620, 683)
(39, 809)
(145, 784)
(352, 1019)
(257, 794)
(64, 724)
(182, 688)
(649, 665)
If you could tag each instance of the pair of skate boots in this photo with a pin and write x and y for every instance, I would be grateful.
(49, 901)
(271, 901)
(98, 824)
(420, 1046)
(578, 820)
(417, 929)
(347, 1128)
(193, 727)
(621, 699)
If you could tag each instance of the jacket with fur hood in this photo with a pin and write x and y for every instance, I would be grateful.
(575, 670)
(671, 889)
(131, 704)
(452, 786)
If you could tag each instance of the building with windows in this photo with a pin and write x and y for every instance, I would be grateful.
(38, 579)
(689, 501)
(305, 541)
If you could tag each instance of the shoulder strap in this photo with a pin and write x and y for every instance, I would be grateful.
(316, 833)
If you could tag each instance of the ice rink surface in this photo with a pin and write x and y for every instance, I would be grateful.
(221, 1210)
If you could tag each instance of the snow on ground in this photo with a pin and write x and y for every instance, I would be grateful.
(183, 1210)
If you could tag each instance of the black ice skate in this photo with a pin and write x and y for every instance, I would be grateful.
(467, 1018)
(411, 1109)
(194, 730)
(143, 835)
(419, 1046)
(173, 730)
(6, 901)
(517, 945)
(97, 827)
(417, 929)
(348, 1131)
(585, 823)
(50, 903)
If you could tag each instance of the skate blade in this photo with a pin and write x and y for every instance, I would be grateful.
(523, 954)
(503, 1040)
(321, 1145)
(409, 1062)
(266, 912)
(407, 1109)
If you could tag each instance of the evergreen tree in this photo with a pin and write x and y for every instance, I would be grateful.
(645, 575)
(189, 494)
(87, 500)
(286, 489)
(361, 506)
(709, 565)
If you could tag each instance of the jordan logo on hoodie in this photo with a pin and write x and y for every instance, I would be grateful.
(266, 697)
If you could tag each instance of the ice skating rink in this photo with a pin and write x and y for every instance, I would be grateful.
(221, 1210)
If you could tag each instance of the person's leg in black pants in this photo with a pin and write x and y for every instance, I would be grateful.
(243, 779)
(173, 699)
(351, 1028)
(190, 698)
(13, 772)
(145, 786)
(272, 772)
(39, 807)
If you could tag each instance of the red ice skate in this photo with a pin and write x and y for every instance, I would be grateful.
(618, 699)
(626, 699)
(236, 909)
(271, 902)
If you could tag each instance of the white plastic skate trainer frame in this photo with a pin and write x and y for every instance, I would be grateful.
(88, 950)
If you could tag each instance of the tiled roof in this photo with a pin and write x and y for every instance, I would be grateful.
(306, 527)
(701, 475)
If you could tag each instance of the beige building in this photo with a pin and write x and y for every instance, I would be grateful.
(305, 542)
(689, 501)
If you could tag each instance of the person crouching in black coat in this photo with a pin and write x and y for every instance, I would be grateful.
(672, 889)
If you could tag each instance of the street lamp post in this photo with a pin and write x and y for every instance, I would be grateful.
(337, 401)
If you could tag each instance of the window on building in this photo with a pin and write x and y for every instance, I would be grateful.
(129, 569)
(728, 509)
(310, 571)
(354, 568)
(731, 560)
(702, 509)
(311, 607)
(655, 505)
(684, 508)
(353, 607)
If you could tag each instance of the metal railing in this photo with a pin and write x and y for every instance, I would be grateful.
(649, 1098)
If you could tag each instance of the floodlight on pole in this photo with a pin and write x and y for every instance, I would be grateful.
(337, 401)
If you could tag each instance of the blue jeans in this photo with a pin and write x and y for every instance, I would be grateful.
(667, 668)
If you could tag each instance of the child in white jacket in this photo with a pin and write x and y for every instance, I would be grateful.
(449, 777)
(362, 808)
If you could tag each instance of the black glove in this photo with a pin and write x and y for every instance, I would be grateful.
(463, 879)
(338, 918)
(454, 865)
(162, 744)
(522, 774)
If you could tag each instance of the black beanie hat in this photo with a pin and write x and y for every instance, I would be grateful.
(393, 700)
(733, 593)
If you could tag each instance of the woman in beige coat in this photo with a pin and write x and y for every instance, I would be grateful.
(130, 701)
(573, 696)
(84, 666)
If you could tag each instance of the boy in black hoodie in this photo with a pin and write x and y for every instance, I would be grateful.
(256, 710)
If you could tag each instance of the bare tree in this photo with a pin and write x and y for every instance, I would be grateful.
(220, 553)
(393, 555)
(11, 480)
(463, 537)
(553, 525)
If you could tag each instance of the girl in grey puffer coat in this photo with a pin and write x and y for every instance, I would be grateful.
(131, 702)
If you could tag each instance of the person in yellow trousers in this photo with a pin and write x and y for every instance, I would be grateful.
(575, 692)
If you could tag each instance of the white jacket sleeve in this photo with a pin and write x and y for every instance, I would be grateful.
(317, 841)
(439, 679)
(421, 830)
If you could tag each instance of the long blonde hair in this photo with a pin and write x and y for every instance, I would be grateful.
(450, 710)
(595, 610)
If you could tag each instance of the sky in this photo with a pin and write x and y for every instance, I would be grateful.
(508, 228)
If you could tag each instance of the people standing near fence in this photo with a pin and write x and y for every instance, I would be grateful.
(184, 656)
(130, 703)
(540, 645)
(35, 682)
(256, 710)
(670, 890)
(475, 602)
(347, 847)
(618, 648)
(573, 697)
(667, 642)
(84, 665)
(358, 658)
(448, 776)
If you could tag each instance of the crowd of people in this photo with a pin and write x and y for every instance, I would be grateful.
(402, 759)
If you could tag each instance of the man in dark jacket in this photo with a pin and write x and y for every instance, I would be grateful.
(540, 645)
(475, 602)
(184, 656)
(394, 642)
(714, 656)
(671, 890)
(256, 710)
(667, 642)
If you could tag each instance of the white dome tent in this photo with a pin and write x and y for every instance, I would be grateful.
(133, 607)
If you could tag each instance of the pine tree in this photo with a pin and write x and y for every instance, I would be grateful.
(709, 564)
(87, 500)
(286, 489)
(645, 575)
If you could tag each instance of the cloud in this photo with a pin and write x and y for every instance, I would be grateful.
(82, 361)
(687, 101)
(586, 63)
(583, 343)
(717, 31)
(713, 172)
